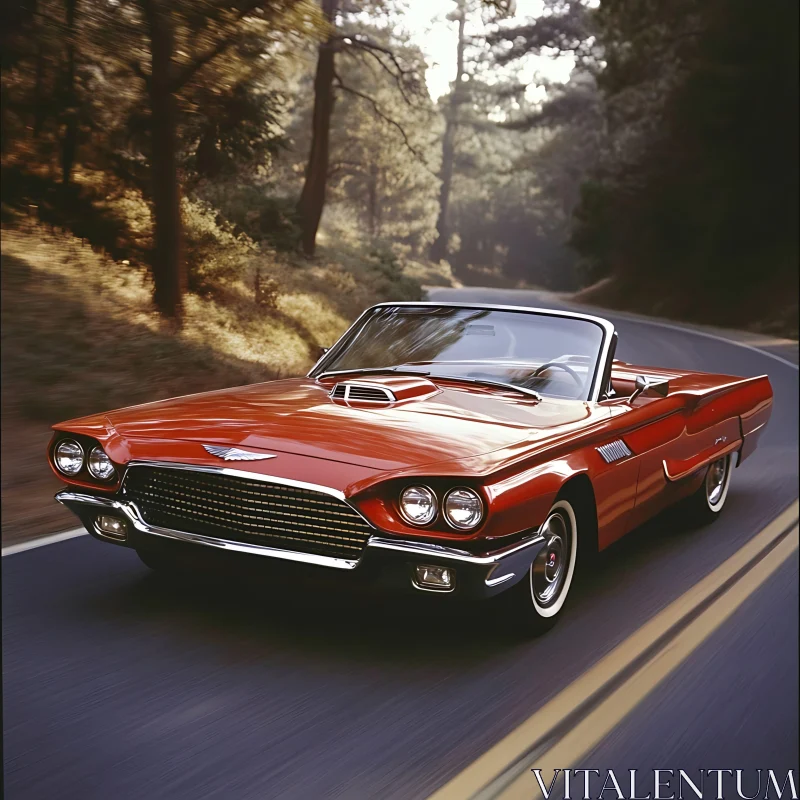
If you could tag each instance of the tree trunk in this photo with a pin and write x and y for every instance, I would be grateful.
(439, 247)
(38, 93)
(312, 198)
(70, 139)
(169, 269)
(373, 222)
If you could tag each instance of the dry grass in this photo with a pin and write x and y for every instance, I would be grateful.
(79, 336)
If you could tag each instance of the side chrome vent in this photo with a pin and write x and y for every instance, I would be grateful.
(362, 393)
(614, 451)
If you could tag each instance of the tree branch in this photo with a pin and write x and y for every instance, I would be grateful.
(186, 73)
(378, 113)
(402, 76)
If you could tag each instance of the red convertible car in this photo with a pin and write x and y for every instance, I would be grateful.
(449, 448)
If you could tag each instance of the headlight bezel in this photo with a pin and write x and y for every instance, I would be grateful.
(82, 456)
(417, 523)
(481, 509)
(104, 478)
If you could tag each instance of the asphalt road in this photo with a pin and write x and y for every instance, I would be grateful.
(117, 684)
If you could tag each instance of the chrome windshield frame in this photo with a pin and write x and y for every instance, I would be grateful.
(596, 387)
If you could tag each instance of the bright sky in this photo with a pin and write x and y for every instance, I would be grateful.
(426, 21)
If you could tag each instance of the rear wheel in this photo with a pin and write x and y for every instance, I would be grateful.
(537, 600)
(705, 505)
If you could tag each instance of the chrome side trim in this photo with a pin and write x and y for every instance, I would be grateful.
(757, 429)
(723, 451)
(500, 579)
(602, 357)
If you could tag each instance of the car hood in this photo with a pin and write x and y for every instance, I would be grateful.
(299, 416)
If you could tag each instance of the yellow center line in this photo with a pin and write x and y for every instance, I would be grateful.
(544, 742)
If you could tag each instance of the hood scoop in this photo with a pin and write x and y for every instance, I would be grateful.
(382, 391)
(350, 391)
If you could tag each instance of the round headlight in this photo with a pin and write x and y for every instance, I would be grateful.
(463, 509)
(418, 505)
(100, 464)
(69, 457)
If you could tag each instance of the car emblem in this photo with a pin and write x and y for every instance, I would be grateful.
(235, 454)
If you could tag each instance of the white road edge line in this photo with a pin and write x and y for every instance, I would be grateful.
(696, 332)
(33, 543)
(636, 318)
(60, 537)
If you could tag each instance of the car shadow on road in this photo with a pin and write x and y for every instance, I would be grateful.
(272, 607)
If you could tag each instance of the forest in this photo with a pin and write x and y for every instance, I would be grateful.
(202, 193)
(180, 134)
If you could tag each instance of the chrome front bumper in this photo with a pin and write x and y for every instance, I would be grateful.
(497, 570)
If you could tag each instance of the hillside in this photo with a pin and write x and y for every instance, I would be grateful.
(80, 335)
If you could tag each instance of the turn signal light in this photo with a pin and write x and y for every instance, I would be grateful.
(437, 579)
(112, 526)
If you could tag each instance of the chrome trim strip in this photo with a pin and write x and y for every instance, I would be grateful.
(602, 357)
(422, 549)
(756, 429)
(238, 473)
(426, 549)
(499, 580)
(721, 453)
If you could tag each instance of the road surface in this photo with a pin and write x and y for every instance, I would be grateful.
(118, 685)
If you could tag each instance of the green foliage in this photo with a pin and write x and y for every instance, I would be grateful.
(215, 254)
(707, 197)
(388, 276)
(255, 210)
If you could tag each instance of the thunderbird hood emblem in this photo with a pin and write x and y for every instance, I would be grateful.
(235, 454)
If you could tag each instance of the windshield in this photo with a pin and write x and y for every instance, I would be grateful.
(553, 355)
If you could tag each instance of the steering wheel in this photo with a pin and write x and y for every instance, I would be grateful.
(559, 365)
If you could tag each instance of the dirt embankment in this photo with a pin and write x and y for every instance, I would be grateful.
(80, 336)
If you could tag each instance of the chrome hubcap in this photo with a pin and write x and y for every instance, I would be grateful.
(550, 567)
(715, 480)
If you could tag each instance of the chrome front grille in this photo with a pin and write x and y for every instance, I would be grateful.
(244, 510)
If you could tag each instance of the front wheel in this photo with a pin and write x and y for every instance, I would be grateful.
(705, 505)
(537, 600)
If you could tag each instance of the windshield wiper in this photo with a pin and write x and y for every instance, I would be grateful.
(400, 371)
(496, 384)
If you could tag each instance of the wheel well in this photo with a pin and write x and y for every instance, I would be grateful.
(580, 492)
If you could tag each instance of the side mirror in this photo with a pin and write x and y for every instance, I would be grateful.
(650, 387)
